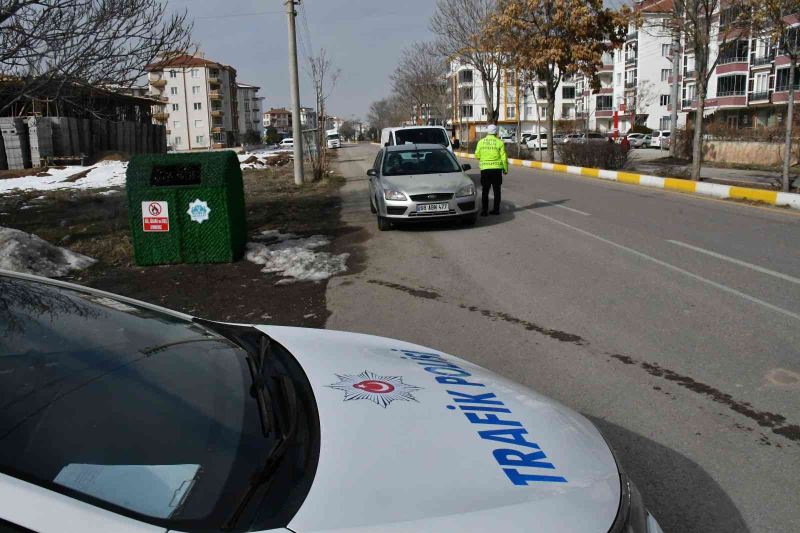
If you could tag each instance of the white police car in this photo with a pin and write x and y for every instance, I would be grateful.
(120, 416)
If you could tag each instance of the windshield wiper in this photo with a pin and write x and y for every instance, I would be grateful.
(288, 397)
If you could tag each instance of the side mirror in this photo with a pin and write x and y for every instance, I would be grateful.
(386, 143)
(466, 166)
(372, 173)
(456, 144)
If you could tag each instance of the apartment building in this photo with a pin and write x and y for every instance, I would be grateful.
(200, 106)
(249, 111)
(279, 118)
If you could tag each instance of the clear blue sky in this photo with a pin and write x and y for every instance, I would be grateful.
(362, 37)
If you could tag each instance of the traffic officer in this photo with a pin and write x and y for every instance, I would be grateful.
(491, 152)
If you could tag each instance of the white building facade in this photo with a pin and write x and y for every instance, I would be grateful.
(200, 106)
(250, 110)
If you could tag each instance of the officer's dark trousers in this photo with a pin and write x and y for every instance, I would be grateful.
(491, 179)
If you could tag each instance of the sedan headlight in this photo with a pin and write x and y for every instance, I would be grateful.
(467, 190)
(397, 196)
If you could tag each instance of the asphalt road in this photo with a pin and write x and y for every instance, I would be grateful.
(672, 322)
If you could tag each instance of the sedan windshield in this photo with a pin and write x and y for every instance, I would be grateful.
(125, 407)
(406, 162)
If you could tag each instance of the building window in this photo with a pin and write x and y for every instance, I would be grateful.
(731, 85)
(173, 91)
(195, 73)
(664, 123)
(195, 89)
(466, 111)
(568, 93)
(665, 72)
(483, 111)
(176, 107)
(541, 93)
(528, 110)
(664, 100)
(665, 50)
(176, 124)
(173, 74)
(605, 102)
(761, 83)
(511, 111)
(198, 123)
(619, 78)
(178, 141)
(782, 79)
(200, 139)
(542, 112)
(465, 76)
(198, 106)
(466, 93)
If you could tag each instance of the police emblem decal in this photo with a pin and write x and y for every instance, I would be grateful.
(382, 390)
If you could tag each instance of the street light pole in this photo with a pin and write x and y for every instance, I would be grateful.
(294, 88)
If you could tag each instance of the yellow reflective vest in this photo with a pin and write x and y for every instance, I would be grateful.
(491, 152)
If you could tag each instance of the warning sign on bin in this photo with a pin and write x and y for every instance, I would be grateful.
(155, 216)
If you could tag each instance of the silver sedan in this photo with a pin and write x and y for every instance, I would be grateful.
(413, 182)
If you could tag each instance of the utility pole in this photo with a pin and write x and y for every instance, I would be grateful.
(294, 88)
(676, 90)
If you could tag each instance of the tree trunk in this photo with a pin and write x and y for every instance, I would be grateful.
(697, 142)
(551, 105)
(787, 151)
(488, 97)
(675, 94)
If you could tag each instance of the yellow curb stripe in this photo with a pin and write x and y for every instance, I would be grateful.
(675, 184)
(559, 168)
(591, 172)
(745, 193)
(627, 177)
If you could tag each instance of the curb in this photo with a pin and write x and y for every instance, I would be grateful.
(783, 199)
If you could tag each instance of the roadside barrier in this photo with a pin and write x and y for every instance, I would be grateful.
(715, 190)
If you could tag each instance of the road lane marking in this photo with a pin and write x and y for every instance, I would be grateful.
(737, 262)
(548, 202)
(674, 268)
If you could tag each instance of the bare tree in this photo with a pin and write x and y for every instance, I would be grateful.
(385, 113)
(420, 80)
(55, 44)
(646, 94)
(461, 28)
(323, 77)
(707, 28)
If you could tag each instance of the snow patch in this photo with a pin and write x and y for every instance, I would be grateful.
(99, 176)
(29, 254)
(295, 258)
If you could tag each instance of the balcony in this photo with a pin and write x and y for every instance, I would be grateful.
(687, 103)
(738, 92)
(630, 60)
(158, 82)
(760, 96)
(215, 95)
(630, 84)
(690, 74)
(632, 36)
(161, 116)
(732, 59)
(606, 69)
(763, 61)
(217, 129)
(217, 113)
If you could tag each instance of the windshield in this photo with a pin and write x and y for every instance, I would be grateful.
(124, 407)
(405, 162)
(421, 136)
(333, 136)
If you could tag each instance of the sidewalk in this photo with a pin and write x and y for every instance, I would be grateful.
(658, 162)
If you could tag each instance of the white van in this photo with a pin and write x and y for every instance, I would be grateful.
(288, 142)
(658, 137)
(333, 140)
(416, 135)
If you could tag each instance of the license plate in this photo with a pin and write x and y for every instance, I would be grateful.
(433, 208)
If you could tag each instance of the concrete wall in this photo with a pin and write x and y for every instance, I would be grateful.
(745, 152)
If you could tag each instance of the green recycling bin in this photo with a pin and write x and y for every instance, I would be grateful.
(186, 208)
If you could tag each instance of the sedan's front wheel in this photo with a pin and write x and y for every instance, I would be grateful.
(384, 224)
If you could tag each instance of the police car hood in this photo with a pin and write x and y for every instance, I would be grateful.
(416, 440)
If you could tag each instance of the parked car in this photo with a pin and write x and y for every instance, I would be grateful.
(122, 416)
(558, 138)
(658, 136)
(416, 135)
(572, 138)
(637, 139)
(524, 139)
(420, 182)
(288, 142)
(537, 141)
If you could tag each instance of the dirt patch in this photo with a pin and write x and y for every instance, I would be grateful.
(97, 225)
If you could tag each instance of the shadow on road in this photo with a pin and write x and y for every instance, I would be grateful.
(679, 493)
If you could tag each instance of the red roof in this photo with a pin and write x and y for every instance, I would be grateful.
(655, 6)
(184, 60)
